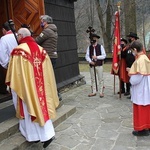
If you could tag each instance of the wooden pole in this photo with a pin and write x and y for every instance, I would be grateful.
(90, 30)
(114, 84)
(118, 5)
(95, 78)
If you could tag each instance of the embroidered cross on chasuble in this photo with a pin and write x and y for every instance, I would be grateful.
(36, 58)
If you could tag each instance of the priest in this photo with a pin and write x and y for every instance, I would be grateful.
(30, 75)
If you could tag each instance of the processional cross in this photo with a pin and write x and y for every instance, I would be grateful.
(90, 30)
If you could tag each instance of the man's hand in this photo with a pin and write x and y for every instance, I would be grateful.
(92, 63)
(94, 57)
(127, 69)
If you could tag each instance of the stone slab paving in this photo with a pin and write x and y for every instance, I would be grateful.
(99, 123)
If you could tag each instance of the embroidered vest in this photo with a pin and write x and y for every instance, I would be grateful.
(98, 52)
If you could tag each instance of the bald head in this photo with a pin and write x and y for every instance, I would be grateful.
(24, 32)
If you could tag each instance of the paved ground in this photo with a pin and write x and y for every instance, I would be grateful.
(99, 123)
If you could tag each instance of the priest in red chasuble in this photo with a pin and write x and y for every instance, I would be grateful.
(30, 75)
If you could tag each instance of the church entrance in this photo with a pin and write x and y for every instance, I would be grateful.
(21, 12)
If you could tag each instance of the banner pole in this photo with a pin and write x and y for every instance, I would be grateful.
(118, 5)
(114, 84)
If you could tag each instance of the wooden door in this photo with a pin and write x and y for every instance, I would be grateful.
(22, 12)
(26, 12)
(3, 14)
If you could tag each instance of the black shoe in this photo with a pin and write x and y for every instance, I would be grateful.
(141, 133)
(127, 93)
(46, 143)
(37, 141)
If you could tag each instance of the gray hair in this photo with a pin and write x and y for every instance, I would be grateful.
(24, 32)
(47, 19)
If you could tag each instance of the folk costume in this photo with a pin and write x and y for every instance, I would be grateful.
(30, 75)
(129, 57)
(140, 91)
(123, 74)
(99, 51)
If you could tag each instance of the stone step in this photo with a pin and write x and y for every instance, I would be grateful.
(5, 97)
(8, 120)
(10, 137)
(7, 113)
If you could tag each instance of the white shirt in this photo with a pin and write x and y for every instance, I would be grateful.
(100, 57)
(7, 44)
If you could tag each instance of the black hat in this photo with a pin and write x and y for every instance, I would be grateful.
(25, 26)
(95, 35)
(6, 26)
(124, 40)
(134, 35)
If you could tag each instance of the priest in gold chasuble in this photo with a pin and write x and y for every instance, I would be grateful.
(31, 78)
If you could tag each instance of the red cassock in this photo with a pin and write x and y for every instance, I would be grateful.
(141, 117)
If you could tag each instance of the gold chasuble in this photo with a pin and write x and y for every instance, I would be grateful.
(140, 66)
(30, 74)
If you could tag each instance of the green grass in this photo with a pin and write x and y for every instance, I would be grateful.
(85, 67)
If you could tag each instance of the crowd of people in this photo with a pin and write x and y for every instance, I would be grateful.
(29, 73)
(127, 59)
(134, 75)
(134, 72)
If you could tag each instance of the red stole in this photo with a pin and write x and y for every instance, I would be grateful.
(36, 58)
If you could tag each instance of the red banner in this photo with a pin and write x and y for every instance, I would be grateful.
(116, 47)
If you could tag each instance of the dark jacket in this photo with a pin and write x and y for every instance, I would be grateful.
(129, 57)
(48, 40)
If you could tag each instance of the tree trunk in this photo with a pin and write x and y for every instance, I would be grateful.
(130, 16)
(102, 26)
(108, 26)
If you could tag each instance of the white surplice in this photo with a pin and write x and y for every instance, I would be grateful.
(7, 44)
(140, 89)
(33, 131)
